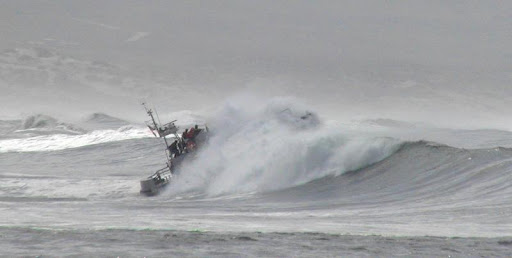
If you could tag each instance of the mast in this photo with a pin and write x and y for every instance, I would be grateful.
(150, 113)
(161, 135)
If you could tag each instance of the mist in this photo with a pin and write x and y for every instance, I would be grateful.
(436, 62)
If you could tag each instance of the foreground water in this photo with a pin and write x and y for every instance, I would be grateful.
(149, 243)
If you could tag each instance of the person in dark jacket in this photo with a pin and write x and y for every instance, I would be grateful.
(196, 130)
(173, 149)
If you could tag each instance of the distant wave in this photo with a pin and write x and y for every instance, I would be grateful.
(97, 121)
(36, 125)
(41, 124)
(44, 122)
(8, 126)
(65, 141)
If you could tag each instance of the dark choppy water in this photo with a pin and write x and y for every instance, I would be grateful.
(150, 243)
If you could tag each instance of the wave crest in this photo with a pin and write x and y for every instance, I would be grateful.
(44, 124)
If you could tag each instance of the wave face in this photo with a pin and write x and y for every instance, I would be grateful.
(422, 189)
(422, 173)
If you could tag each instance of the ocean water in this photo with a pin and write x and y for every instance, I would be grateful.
(272, 181)
(337, 128)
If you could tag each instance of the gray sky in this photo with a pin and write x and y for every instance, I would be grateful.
(445, 61)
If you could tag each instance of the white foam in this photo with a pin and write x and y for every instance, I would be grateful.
(63, 141)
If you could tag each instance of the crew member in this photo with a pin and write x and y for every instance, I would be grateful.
(173, 149)
(196, 130)
(191, 133)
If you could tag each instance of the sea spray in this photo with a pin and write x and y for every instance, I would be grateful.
(265, 145)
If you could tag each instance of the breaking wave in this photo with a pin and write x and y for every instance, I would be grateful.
(36, 125)
(279, 145)
(328, 170)
(44, 124)
(45, 133)
(283, 145)
(63, 141)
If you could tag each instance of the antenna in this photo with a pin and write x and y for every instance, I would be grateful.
(156, 112)
(150, 113)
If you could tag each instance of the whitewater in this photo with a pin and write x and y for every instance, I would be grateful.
(274, 172)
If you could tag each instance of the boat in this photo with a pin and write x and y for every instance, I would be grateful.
(152, 185)
(185, 145)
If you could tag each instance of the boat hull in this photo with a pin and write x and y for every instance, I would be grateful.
(152, 185)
